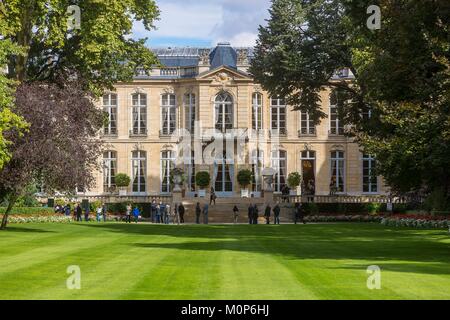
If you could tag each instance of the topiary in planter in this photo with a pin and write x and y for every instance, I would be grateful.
(244, 177)
(202, 179)
(122, 180)
(294, 179)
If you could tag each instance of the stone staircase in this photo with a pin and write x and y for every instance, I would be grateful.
(222, 211)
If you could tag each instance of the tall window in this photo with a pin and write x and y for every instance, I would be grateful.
(279, 163)
(257, 109)
(336, 124)
(110, 107)
(139, 167)
(139, 103)
(307, 126)
(167, 165)
(223, 106)
(168, 114)
(308, 165)
(337, 171)
(370, 183)
(257, 162)
(190, 169)
(109, 171)
(189, 114)
(278, 115)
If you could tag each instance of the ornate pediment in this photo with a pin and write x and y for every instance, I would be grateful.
(224, 75)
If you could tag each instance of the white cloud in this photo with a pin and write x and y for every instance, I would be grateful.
(235, 21)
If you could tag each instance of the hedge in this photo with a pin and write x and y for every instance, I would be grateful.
(29, 210)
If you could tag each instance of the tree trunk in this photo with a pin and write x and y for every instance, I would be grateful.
(12, 201)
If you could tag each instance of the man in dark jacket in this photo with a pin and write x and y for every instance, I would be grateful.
(198, 211)
(181, 212)
(250, 214)
(255, 214)
(267, 213)
(78, 212)
(276, 213)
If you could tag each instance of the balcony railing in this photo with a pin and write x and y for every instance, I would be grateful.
(138, 132)
(311, 132)
(278, 132)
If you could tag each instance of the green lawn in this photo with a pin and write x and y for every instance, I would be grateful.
(317, 261)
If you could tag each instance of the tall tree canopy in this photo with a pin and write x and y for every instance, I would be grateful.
(101, 49)
(8, 119)
(401, 78)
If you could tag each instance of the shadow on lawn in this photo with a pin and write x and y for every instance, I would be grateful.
(350, 241)
(10, 229)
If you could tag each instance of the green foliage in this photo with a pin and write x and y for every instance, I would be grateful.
(344, 208)
(294, 179)
(244, 177)
(122, 180)
(117, 208)
(401, 75)
(101, 51)
(437, 201)
(28, 210)
(202, 179)
(373, 208)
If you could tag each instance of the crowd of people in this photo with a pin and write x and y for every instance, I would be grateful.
(78, 212)
(163, 213)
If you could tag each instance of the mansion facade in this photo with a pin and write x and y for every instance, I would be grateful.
(199, 91)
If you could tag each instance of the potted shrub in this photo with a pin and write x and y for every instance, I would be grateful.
(202, 180)
(244, 178)
(122, 182)
(294, 179)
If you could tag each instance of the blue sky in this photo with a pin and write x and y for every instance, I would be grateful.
(204, 23)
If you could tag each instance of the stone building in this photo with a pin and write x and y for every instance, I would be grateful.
(210, 92)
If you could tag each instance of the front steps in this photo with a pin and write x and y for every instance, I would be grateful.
(222, 211)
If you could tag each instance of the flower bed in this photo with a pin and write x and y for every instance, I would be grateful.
(413, 221)
(14, 219)
(343, 218)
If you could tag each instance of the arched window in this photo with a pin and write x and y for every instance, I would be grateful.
(337, 183)
(278, 115)
(370, 180)
(139, 114)
(257, 162)
(223, 112)
(109, 171)
(279, 164)
(167, 165)
(110, 107)
(189, 112)
(139, 169)
(168, 114)
(257, 110)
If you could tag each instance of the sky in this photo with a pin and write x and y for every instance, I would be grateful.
(204, 23)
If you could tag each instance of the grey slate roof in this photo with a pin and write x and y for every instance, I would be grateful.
(223, 55)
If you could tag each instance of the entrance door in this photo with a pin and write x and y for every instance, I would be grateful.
(308, 172)
(223, 178)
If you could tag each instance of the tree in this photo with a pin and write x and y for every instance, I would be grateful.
(101, 49)
(244, 177)
(60, 150)
(398, 102)
(8, 119)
